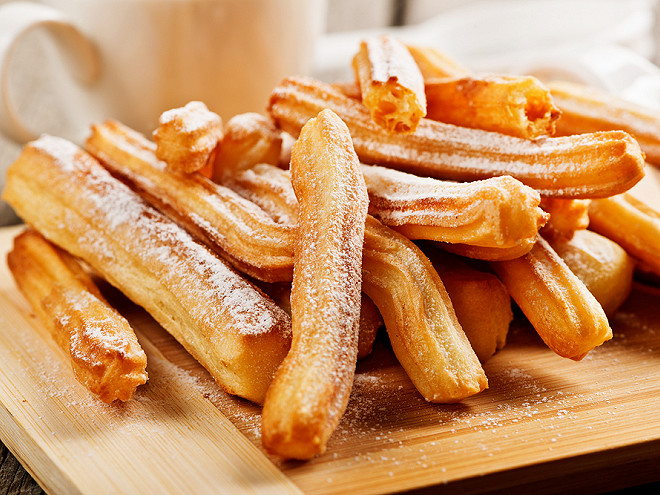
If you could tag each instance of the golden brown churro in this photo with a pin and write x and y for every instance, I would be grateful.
(481, 302)
(604, 266)
(105, 355)
(499, 212)
(237, 333)
(632, 224)
(391, 84)
(584, 166)
(558, 305)
(586, 109)
(419, 318)
(312, 386)
(233, 227)
(514, 105)
(187, 137)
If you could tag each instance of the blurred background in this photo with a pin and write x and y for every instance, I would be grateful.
(613, 44)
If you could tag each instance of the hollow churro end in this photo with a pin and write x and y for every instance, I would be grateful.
(186, 137)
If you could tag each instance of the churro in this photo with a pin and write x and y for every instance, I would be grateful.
(187, 137)
(433, 63)
(515, 105)
(105, 354)
(604, 266)
(632, 224)
(499, 212)
(583, 166)
(391, 84)
(233, 227)
(238, 334)
(559, 306)
(566, 217)
(586, 109)
(312, 386)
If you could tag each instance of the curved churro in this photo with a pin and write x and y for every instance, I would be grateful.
(585, 166)
(398, 277)
(604, 266)
(233, 227)
(237, 333)
(187, 137)
(391, 84)
(515, 105)
(105, 355)
(312, 386)
(632, 224)
(558, 305)
(499, 212)
(586, 109)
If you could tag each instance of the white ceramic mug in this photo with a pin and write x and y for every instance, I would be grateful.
(133, 59)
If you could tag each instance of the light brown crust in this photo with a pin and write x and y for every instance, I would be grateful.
(312, 386)
(249, 139)
(433, 63)
(632, 224)
(186, 137)
(391, 85)
(586, 109)
(480, 300)
(585, 166)
(499, 212)
(430, 344)
(105, 354)
(232, 226)
(604, 266)
(237, 333)
(519, 106)
(558, 305)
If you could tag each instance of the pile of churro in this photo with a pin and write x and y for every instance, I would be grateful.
(419, 197)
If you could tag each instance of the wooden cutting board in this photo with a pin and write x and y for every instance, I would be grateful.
(545, 424)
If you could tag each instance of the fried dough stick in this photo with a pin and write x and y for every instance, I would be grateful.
(584, 166)
(391, 84)
(105, 354)
(499, 212)
(434, 64)
(311, 388)
(238, 334)
(586, 109)
(237, 230)
(398, 277)
(567, 216)
(187, 137)
(519, 106)
(632, 224)
(558, 305)
(604, 266)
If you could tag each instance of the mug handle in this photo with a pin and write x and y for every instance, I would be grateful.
(16, 20)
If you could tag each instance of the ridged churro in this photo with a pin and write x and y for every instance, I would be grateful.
(586, 109)
(187, 137)
(499, 212)
(238, 334)
(233, 227)
(391, 84)
(515, 105)
(312, 386)
(585, 166)
(604, 266)
(558, 305)
(105, 354)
